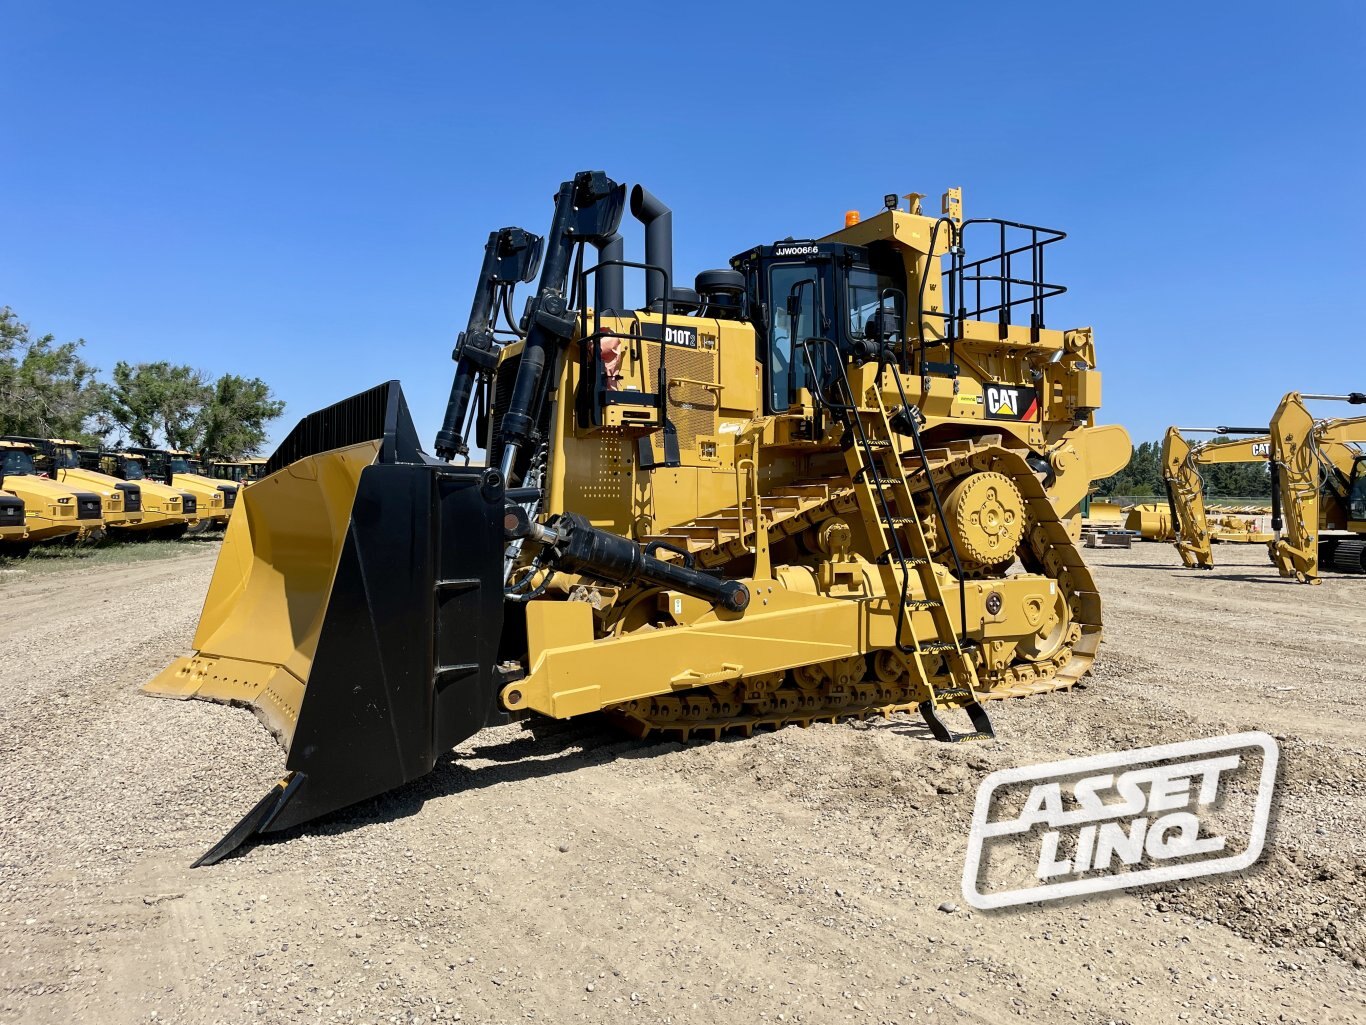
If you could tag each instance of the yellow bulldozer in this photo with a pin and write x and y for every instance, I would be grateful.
(1318, 475)
(52, 510)
(1191, 528)
(841, 476)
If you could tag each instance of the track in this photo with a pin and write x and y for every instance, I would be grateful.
(879, 684)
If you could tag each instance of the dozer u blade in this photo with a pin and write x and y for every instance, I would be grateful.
(356, 607)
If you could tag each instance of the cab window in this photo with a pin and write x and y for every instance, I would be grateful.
(866, 290)
(17, 461)
(1356, 501)
(132, 469)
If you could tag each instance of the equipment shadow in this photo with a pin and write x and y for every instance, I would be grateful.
(1257, 578)
(546, 747)
(1191, 574)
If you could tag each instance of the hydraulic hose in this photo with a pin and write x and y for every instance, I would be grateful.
(510, 255)
(576, 546)
(586, 209)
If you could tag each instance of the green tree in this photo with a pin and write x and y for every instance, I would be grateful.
(232, 424)
(1141, 477)
(150, 398)
(225, 419)
(46, 389)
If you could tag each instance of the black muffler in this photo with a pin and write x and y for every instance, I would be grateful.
(659, 243)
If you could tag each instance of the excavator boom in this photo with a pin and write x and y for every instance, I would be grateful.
(1192, 531)
(1316, 471)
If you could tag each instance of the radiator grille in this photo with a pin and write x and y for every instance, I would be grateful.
(692, 408)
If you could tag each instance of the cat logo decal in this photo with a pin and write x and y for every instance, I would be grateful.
(1012, 402)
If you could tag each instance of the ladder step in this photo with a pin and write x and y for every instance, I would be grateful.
(935, 647)
(956, 694)
(920, 604)
(977, 715)
(887, 558)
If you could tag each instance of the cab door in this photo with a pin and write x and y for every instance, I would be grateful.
(795, 304)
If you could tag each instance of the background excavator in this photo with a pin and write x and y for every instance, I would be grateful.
(1192, 530)
(839, 477)
(1318, 484)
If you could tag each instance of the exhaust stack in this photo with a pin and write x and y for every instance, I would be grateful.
(659, 242)
(611, 286)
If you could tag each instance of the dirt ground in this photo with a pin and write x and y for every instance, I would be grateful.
(573, 875)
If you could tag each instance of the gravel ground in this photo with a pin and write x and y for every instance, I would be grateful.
(569, 875)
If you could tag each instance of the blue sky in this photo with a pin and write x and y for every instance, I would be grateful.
(301, 191)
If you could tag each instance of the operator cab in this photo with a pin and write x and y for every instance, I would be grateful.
(66, 455)
(1356, 494)
(40, 451)
(157, 463)
(16, 460)
(182, 462)
(812, 299)
(129, 467)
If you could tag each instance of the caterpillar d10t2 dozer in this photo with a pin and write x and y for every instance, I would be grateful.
(1318, 489)
(1192, 530)
(842, 476)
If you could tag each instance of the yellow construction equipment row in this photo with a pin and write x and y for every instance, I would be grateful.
(53, 491)
(1318, 490)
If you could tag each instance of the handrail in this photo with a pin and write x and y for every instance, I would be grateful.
(997, 268)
